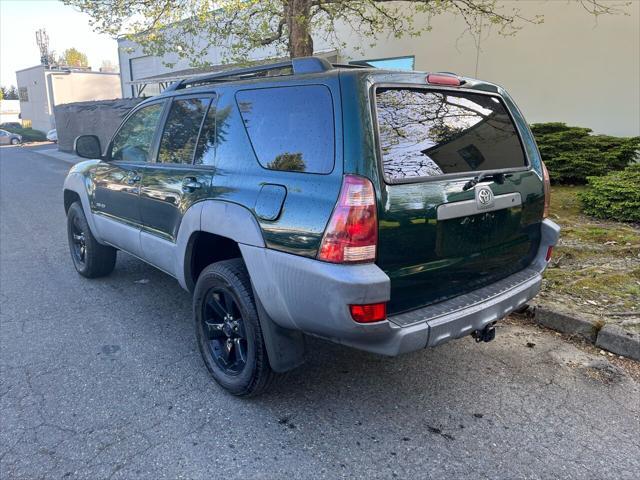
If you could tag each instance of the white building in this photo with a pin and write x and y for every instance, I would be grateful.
(573, 68)
(9, 111)
(41, 88)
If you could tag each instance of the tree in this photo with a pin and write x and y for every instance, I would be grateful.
(73, 58)
(108, 67)
(9, 93)
(241, 26)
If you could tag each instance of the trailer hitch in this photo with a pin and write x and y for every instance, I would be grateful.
(487, 334)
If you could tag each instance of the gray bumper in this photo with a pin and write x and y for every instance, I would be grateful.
(304, 294)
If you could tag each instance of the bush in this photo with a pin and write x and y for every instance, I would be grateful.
(29, 134)
(615, 196)
(572, 154)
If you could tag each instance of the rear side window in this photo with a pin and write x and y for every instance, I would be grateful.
(430, 133)
(181, 130)
(290, 128)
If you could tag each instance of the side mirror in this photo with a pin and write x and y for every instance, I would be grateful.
(87, 146)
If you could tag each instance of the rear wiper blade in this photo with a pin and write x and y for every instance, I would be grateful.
(496, 177)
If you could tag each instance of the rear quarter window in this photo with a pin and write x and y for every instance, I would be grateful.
(290, 128)
(425, 133)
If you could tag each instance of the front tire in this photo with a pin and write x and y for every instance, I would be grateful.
(91, 259)
(228, 331)
(15, 141)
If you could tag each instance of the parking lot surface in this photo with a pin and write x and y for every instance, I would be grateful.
(102, 379)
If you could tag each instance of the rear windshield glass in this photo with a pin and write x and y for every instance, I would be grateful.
(429, 133)
(291, 128)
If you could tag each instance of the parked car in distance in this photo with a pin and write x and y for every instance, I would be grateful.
(388, 211)
(8, 138)
(10, 125)
(52, 135)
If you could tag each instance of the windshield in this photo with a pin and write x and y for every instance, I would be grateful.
(426, 133)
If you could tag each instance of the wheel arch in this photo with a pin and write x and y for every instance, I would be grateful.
(212, 230)
(75, 189)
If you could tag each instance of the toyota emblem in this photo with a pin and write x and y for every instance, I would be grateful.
(484, 197)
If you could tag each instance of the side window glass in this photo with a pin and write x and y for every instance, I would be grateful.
(231, 149)
(181, 130)
(206, 151)
(133, 141)
(290, 128)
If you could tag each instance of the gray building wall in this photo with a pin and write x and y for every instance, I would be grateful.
(42, 89)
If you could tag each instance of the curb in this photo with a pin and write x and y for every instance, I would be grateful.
(617, 340)
(58, 155)
(608, 337)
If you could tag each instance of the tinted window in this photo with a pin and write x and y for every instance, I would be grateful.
(181, 130)
(427, 133)
(133, 141)
(205, 155)
(291, 128)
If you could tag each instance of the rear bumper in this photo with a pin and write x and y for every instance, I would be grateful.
(311, 296)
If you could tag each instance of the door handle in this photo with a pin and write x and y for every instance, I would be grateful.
(133, 177)
(189, 184)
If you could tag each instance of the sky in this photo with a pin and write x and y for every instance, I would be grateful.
(66, 27)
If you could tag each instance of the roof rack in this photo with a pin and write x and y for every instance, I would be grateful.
(351, 65)
(297, 66)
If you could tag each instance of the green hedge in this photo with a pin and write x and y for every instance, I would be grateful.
(615, 196)
(28, 134)
(572, 153)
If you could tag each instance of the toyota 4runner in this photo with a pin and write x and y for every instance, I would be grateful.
(387, 211)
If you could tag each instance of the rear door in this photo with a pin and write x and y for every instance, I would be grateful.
(172, 183)
(437, 239)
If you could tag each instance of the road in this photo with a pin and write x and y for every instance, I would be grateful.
(102, 379)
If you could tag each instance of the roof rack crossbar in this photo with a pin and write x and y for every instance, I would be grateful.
(297, 65)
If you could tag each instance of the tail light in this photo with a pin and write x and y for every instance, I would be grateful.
(549, 253)
(352, 233)
(547, 190)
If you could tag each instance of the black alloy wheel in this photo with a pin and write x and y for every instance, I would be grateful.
(90, 258)
(78, 241)
(228, 330)
(224, 330)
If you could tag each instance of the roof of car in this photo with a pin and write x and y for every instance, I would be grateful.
(292, 70)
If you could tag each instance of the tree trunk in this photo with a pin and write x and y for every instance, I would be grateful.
(298, 18)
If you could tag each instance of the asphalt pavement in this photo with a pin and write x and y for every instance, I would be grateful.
(102, 379)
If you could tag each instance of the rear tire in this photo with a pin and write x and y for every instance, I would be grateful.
(228, 331)
(91, 259)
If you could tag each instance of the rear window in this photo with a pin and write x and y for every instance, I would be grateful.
(426, 133)
(290, 128)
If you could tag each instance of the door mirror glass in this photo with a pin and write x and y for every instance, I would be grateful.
(88, 146)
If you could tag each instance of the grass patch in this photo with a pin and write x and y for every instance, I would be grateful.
(596, 265)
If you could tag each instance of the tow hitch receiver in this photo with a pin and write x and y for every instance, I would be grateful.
(487, 334)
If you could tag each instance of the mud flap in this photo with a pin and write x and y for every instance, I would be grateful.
(285, 347)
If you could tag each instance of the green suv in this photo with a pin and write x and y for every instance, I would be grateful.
(387, 211)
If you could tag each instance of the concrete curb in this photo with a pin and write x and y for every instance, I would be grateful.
(585, 328)
(608, 337)
(617, 340)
